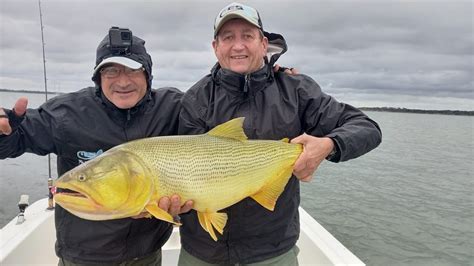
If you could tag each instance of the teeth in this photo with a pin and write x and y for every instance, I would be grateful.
(239, 57)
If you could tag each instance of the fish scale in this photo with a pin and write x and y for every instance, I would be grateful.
(215, 170)
(239, 164)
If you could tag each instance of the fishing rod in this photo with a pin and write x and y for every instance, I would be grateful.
(50, 180)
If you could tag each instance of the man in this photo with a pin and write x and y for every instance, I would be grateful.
(275, 105)
(81, 125)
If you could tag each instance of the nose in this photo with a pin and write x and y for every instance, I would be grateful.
(123, 80)
(238, 44)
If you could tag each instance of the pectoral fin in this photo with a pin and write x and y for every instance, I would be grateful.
(269, 194)
(211, 221)
(160, 214)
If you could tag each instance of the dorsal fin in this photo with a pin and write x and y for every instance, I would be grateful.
(230, 129)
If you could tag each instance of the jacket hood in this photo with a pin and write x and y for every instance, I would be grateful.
(276, 47)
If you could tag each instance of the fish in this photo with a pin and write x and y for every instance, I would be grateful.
(215, 170)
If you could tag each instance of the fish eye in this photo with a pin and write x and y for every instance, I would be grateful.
(81, 178)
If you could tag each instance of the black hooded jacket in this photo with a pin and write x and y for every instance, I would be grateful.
(275, 106)
(77, 127)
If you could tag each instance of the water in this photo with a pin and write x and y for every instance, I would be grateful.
(409, 202)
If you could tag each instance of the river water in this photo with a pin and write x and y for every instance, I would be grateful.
(409, 202)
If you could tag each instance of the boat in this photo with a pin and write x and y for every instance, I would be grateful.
(29, 240)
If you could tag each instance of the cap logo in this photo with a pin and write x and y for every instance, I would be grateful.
(230, 8)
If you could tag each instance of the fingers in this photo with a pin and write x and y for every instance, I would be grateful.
(188, 205)
(305, 174)
(20, 109)
(306, 178)
(172, 205)
(300, 163)
(175, 205)
(292, 71)
(289, 71)
(20, 106)
(301, 139)
(309, 160)
(164, 203)
(5, 127)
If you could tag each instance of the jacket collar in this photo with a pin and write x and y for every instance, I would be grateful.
(247, 84)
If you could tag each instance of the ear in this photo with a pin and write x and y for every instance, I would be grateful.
(214, 45)
(265, 45)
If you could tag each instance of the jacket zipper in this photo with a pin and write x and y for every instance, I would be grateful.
(248, 100)
(246, 84)
(126, 124)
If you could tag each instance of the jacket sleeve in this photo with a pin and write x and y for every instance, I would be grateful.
(353, 132)
(191, 116)
(33, 135)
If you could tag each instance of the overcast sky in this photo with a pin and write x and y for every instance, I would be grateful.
(413, 54)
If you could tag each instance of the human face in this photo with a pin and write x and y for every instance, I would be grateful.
(125, 90)
(240, 47)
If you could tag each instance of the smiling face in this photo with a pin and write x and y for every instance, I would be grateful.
(125, 90)
(240, 46)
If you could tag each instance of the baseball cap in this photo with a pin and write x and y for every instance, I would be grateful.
(124, 61)
(134, 57)
(236, 10)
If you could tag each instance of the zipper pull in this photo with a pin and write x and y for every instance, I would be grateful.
(246, 84)
(128, 115)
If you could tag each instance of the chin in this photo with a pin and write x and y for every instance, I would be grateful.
(124, 104)
(240, 70)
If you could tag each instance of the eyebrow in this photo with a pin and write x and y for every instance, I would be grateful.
(246, 30)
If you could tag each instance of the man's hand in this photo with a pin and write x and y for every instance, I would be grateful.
(289, 71)
(171, 205)
(19, 109)
(315, 150)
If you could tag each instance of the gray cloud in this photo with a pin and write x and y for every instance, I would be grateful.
(414, 54)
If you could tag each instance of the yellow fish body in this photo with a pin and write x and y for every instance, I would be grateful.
(215, 170)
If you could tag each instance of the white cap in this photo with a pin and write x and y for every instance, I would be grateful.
(236, 10)
(124, 61)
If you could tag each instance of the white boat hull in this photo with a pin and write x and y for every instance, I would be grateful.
(32, 242)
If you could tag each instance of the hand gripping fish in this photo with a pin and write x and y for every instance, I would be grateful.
(215, 170)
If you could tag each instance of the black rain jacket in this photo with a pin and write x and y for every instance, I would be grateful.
(77, 127)
(275, 106)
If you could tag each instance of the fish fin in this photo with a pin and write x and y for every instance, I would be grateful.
(268, 195)
(218, 220)
(286, 140)
(202, 221)
(211, 221)
(230, 129)
(160, 213)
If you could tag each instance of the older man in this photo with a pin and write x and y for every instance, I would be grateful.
(275, 105)
(81, 125)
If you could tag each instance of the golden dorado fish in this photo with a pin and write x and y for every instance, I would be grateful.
(215, 170)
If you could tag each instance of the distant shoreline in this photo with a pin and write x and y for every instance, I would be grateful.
(32, 92)
(417, 111)
(375, 109)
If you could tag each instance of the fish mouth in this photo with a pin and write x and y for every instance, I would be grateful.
(74, 198)
(69, 193)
